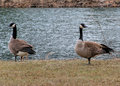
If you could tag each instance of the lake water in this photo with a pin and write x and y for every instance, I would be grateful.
(53, 31)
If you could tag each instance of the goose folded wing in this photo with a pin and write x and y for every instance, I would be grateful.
(94, 47)
(21, 45)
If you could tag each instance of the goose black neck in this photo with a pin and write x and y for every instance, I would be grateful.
(81, 34)
(14, 32)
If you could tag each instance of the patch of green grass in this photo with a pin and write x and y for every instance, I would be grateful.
(60, 73)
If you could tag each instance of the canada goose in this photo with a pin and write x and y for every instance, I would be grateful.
(89, 49)
(19, 47)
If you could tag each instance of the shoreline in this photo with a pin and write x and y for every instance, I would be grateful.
(70, 59)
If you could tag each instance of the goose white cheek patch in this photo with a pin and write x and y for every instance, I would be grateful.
(13, 25)
(81, 26)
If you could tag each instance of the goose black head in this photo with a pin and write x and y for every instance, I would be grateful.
(82, 25)
(13, 25)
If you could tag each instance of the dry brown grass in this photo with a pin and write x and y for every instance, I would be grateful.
(60, 73)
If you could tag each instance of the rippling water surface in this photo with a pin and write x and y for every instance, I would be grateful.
(53, 31)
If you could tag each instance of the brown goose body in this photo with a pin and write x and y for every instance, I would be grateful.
(19, 47)
(89, 49)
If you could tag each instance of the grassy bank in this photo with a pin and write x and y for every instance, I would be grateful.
(60, 73)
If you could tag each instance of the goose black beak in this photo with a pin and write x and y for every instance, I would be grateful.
(85, 26)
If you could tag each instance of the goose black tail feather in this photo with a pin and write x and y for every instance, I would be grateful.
(29, 50)
(107, 49)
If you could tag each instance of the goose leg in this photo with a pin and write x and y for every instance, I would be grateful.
(27, 57)
(89, 60)
(15, 58)
(21, 58)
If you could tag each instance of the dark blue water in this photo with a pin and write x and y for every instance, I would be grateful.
(53, 31)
